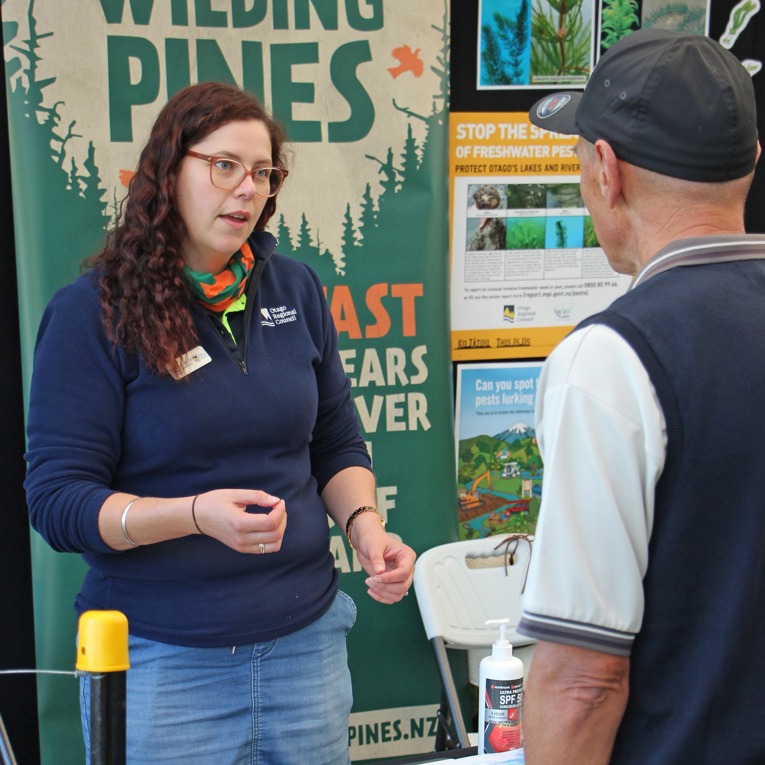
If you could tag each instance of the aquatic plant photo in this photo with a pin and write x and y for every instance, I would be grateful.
(503, 45)
(561, 42)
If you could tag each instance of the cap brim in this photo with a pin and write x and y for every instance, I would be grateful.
(557, 112)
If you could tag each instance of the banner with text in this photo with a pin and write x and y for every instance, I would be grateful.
(361, 87)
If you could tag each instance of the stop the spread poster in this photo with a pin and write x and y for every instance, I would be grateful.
(361, 88)
(526, 263)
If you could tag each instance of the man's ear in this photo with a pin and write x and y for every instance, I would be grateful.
(609, 173)
(759, 149)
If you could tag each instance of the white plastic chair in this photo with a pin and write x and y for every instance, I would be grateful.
(459, 586)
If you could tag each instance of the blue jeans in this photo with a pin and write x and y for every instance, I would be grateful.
(280, 702)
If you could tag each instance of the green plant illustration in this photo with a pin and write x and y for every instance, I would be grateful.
(738, 20)
(526, 234)
(503, 49)
(618, 19)
(560, 40)
(563, 195)
(678, 16)
(561, 236)
(527, 196)
(566, 232)
(590, 237)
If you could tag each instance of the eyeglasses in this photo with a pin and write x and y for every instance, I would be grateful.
(227, 174)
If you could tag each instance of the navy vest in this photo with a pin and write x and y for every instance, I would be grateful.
(697, 669)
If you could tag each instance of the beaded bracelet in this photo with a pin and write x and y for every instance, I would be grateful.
(355, 514)
(124, 523)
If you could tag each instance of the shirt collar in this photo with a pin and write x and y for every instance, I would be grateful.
(700, 251)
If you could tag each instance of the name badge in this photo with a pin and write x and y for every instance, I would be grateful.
(195, 359)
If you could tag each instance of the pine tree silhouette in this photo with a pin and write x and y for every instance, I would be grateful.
(368, 217)
(92, 191)
(305, 249)
(304, 236)
(74, 182)
(283, 236)
(71, 198)
(410, 161)
(350, 240)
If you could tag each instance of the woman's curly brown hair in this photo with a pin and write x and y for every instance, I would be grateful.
(145, 300)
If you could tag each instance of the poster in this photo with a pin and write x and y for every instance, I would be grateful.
(535, 43)
(526, 263)
(499, 468)
(361, 89)
(618, 19)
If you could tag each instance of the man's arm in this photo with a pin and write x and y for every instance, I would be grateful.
(573, 702)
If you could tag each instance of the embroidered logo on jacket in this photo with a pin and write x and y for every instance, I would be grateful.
(277, 315)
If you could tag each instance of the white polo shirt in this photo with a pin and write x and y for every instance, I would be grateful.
(602, 436)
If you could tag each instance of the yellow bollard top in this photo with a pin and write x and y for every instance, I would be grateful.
(102, 642)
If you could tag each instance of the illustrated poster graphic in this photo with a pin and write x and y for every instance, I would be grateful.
(499, 469)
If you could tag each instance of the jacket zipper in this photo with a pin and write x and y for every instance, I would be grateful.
(252, 289)
(241, 363)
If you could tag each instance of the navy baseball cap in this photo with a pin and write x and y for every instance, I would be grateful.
(678, 104)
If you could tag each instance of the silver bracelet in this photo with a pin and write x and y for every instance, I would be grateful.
(124, 522)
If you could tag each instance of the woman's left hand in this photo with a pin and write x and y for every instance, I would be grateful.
(387, 560)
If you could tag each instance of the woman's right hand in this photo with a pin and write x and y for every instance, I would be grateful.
(248, 521)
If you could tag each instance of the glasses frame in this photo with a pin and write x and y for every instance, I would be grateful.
(212, 158)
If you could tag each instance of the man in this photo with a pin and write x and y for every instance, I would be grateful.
(647, 583)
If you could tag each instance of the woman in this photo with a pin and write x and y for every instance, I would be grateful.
(190, 428)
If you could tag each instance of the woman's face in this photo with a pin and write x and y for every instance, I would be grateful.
(219, 221)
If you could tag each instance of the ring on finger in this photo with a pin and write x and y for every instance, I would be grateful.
(261, 548)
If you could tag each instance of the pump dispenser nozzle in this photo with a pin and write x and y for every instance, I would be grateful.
(501, 649)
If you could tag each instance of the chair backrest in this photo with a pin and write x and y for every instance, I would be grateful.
(460, 585)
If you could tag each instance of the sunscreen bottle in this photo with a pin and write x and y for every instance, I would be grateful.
(500, 696)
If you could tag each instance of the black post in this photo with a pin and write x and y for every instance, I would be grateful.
(107, 718)
(102, 652)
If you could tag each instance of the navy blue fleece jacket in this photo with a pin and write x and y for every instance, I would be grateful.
(100, 422)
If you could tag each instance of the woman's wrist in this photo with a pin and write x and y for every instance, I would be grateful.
(194, 514)
(126, 521)
(123, 523)
(361, 516)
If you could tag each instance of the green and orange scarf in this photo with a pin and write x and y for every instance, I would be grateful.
(218, 291)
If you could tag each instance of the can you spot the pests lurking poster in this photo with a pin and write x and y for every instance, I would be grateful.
(499, 467)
